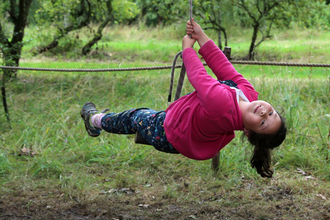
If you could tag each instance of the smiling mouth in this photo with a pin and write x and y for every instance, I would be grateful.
(257, 108)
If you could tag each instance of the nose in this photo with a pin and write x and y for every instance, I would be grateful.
(263, 112)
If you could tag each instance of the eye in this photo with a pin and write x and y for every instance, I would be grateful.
(271, 113)
(263, 122)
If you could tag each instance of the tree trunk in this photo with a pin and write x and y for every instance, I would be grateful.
(250, 55)
(87, 48)
(12, 54)
(219, 39)
(225, 36)
(219, 31)
(4, 98)
(11, 50)
(50, 46)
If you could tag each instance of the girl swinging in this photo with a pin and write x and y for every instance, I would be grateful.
(200, 124)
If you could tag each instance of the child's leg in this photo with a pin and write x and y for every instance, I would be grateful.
(147, 122)
(96, 120)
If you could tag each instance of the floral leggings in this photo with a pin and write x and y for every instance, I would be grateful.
(147, 122)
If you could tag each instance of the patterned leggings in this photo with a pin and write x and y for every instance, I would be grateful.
(147, 122)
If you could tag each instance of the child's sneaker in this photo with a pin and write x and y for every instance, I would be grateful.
(87, 110)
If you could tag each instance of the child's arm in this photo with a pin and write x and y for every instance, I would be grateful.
(214, 98)
(214, 57)
(187, 42)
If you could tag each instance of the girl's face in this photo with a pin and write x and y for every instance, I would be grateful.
(260, 117)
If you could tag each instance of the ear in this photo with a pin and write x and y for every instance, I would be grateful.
(246, 132)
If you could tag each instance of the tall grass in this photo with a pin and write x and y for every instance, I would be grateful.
(45, 119)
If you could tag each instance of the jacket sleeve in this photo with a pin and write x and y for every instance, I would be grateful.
(215, 99)
(220, 65)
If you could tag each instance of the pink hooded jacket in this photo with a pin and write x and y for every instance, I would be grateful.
(200, 124)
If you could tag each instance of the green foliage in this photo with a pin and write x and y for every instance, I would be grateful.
(62, 13)
(311, 14)
(216, 15)
(159, 12)
(10, 53)
(36, 16)
(3, 8)
(11, 46)
(76, 15)
(124, 10)
(68, 47)
(303, 13)
(288, 15)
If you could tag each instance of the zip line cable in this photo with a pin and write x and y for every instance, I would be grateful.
(165, 67)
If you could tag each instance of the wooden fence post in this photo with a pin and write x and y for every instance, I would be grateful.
(227, 52)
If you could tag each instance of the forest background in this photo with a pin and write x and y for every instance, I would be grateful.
(69, 16)
(50, 168)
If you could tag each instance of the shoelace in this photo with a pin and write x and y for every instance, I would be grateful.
(105, 110)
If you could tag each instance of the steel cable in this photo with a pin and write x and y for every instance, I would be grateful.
(165, 67)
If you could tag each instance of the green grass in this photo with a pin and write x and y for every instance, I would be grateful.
(45, 118)
(65, 164)
(44, 111)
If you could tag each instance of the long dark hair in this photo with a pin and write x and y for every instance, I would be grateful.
(263, 143)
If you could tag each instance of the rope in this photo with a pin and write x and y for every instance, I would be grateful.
(266, 63)
(190, 10)
(89, 70)
(190, 14)
(172, 75)
(180, 83)
(165, 67)
(138, 137)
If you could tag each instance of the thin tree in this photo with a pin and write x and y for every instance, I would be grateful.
(259, 11)
(11, 47)
(98, 35)
(211, 12)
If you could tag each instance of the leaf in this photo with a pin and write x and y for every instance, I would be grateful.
(322, 197)
(109, 192)
(309, 178)
(301, 172)
(127, 190)
(27, 152)
(144, 205)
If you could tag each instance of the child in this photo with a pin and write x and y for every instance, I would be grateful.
(200, 124)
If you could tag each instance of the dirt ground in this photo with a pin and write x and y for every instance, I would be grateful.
(270, 202)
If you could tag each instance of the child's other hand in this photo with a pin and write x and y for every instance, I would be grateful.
(194, 30)
(187, 42)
